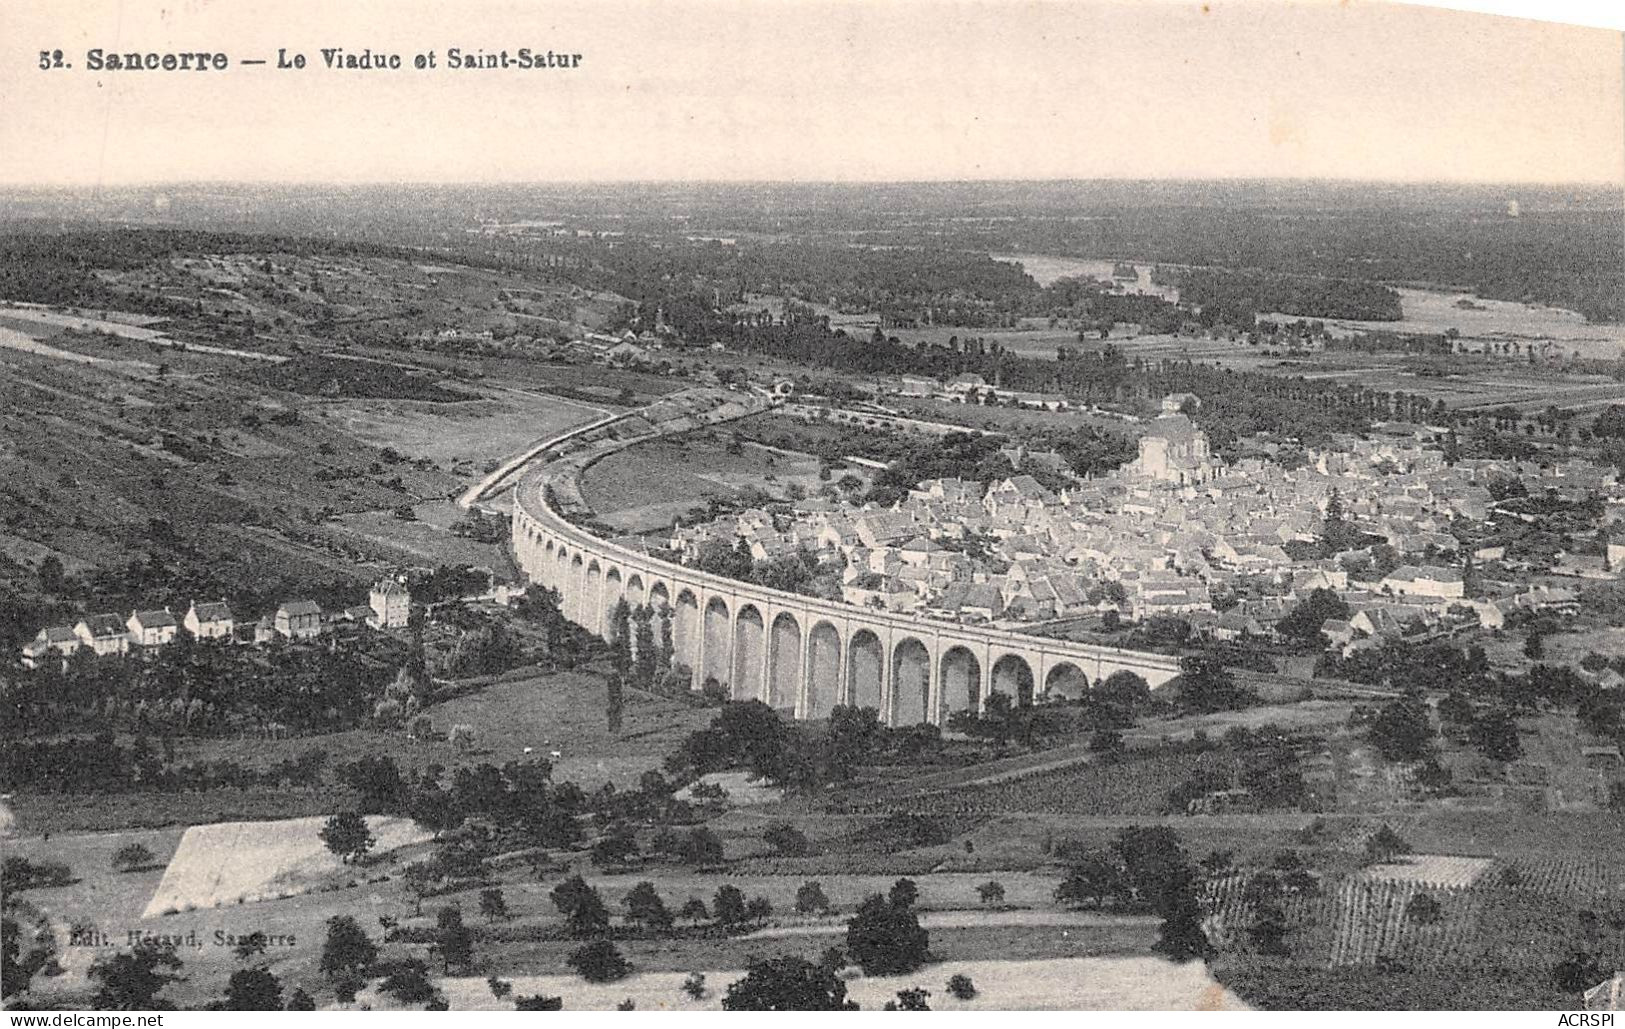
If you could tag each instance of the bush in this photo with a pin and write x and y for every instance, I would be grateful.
(787, 984)
(885, 937)
(960, 987)
(132, 856)
(786, 839)
(911, 999)
(810, 899)
(1423, 909)
(408, 982)
(694, 985)
(538, 1002)
(599, 962)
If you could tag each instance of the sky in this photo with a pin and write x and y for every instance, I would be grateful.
(820, 90)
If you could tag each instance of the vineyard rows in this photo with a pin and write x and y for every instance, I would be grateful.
(1132, 786)
(1360, 920)
(1577, 876)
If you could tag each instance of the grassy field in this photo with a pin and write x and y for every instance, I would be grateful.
(244, 862)
(560, 711)
(424, 541)
(1057, 983)
(647, 486)
(472, 433)
(42, 813)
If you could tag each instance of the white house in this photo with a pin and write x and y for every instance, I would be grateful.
(299, 619)
(391, 605)
(60, 638)
(1426, 581)
(209, 620)
(104, 634)
(152, 628)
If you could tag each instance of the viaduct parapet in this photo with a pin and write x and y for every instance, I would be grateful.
(800, 655)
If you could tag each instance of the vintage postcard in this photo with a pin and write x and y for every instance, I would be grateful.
(718, 505)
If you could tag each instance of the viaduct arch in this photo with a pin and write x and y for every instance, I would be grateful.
(801, 655)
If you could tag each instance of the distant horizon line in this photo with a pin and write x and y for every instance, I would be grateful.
(40, 187)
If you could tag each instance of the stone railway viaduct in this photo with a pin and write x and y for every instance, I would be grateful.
(800, 655)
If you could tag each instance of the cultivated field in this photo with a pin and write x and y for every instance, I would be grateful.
(546, 712)
(1117, 983)
(474, 432)
(243, 862)
(1443, 870)
(648, 486)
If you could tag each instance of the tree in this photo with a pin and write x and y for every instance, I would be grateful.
(1095, 877)
(17, 967)
(461, 736)
(1423, 909)
(1180, 937)
(408, 982)
(614, 703)
(702, 847)
(250, 946)
(301, 1001)
(253, 989)
(616, 847)
(1336, 532)
(132, 856)
(420, 878)
(620, 638)
(346, 835)
(903, 893)
(538, 1002)
(1578, 972)
(646, 657)
(599, 962)
(810, 899)
(493, 905)
(1106, 741)
(911, 999)
(885, 938)
(694, 985)
(500, 988)
(1269, 929)
(452, 940)
(759, 910)
(1402, 729)
(348, 950)
(1456, 709)
(787, 984)
(960, 987)
(1304, 621)
(729, 905)
(644, 907)
(1206, 686)
(131, 981)
(991, 892)
(786, 839)
(1150, 857)
(583, 910)
(1495, 735)
(1385, 845)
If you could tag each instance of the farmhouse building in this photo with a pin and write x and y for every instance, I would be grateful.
(299, 619)
(60, 638)
(152, 628)
(103, 634)
(1426, 581)
(391, 605)
(209, 620)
